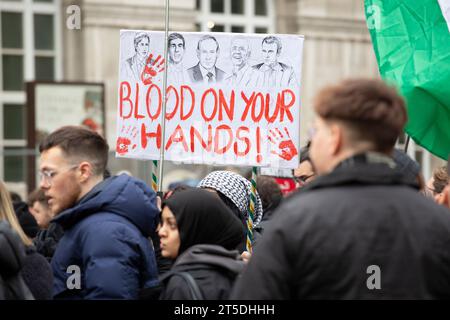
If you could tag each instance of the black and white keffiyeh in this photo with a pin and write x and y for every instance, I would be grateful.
(236, 188)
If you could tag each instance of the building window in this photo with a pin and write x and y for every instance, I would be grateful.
(15, 163)
(238, 16)
(260, 7)
(237, 29)
(29, 51)
(237, 6)
(43, 32)
(260, 30)
(13, 121)
(218, 28)
(11, 30)
(12, 66)
(217, 6)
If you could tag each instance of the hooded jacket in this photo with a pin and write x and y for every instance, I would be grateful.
(106, 239)
(213, 268)
(12, 259)
(360, 232)
(209, 232)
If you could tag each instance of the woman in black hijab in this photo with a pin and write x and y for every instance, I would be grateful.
(201, 233)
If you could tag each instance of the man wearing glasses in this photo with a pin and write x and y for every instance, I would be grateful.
(304, 173)
(361, 230)
(104, 253)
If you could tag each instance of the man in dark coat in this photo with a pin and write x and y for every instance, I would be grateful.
(205, 70)
(104, 252)
(360, 230)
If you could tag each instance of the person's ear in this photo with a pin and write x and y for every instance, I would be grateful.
(336, 139)
(86, 171)
(444, 199)
(159, 203)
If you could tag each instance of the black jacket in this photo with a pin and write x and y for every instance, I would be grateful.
(329, 235)
(26, 219)
(37, 274)
(213, 268)
(47, 240)
(12, 257)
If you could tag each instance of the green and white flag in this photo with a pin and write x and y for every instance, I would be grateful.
(411, 39)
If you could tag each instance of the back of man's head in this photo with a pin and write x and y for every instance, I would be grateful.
(369, 110)
(440, 179)
(79, 144)
(269, 191)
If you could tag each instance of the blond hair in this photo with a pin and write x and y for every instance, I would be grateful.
(7, 213)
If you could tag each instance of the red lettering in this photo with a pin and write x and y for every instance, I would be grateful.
(248, 103)
(169, 89)
(173, 138)
(206, 145)
(148, 102)
(285, 107)
(202, 107)
(229, 109)
(224, 149)
(148, 135)
(123, 85)
(258, 145)
(136, 104)
(245, 139)
(274, 116)
(257, 118)
(191, 110)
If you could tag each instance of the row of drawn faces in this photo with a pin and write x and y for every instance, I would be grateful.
(208, 50)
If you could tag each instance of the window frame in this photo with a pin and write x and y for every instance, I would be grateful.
(28, 8)
(248, 20)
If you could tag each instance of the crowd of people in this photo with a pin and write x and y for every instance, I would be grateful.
(360, 205)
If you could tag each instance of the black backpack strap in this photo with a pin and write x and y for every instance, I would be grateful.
(192, 285)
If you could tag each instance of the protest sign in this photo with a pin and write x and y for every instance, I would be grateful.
(232, 99)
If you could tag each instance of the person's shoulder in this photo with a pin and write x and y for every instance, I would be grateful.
(220, 74)
(175, 288)
(35, 261)
(194, 68)
(127, 62)
(285, 67)
(257, 66)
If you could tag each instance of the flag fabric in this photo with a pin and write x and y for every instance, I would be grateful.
(411, 39)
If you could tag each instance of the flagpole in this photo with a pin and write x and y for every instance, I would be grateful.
(407, 143)
(251, 212)
(163, 114)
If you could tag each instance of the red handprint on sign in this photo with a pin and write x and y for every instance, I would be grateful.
(152, 68)
(286, 146)
(124, 142)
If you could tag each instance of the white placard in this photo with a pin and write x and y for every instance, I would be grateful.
(233, 99)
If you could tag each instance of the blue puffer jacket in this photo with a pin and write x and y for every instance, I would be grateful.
(106, 236)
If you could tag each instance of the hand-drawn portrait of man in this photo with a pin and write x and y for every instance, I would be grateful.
(176, 73)
(132, 67)
(205, 70)
(271, 72)
(240, 52)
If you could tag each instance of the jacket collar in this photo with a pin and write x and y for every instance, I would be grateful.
(363, 169)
